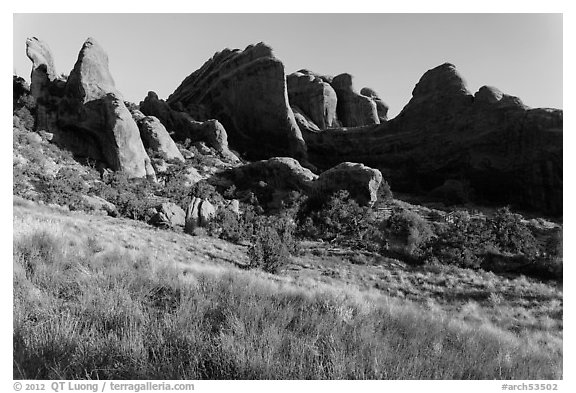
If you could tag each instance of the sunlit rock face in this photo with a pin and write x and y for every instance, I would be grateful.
(87, 113)
(246, 92)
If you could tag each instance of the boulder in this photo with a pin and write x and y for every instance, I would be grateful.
(381, 107)
(353, 109)
(492, 96)
(360, 181)
(283, 173)
(156, 138)
(100, 204)
(315, 98)
(198, 213)
(246, 92)
(168, 215)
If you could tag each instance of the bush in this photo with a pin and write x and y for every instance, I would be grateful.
(26, 118)
(134, 198)
(24, 110)
(512, 235)
(467, 241)
(341, 220)
(231, 227)
(66, 188)
(463, 241)
(272, 243)
(177, 191)
(385, 192)
(409, 229)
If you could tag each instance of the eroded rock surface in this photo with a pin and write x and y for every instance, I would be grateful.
(246, 92)
(315, 98)
(381, 107)
(353, 109)
(182, 126)
(43, 71)
(155, 137)
(508, 153)
(360, 181)
(198, 214)
(283, 173)
(86, 113)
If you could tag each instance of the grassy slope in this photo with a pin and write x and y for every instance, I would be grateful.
(96, 297)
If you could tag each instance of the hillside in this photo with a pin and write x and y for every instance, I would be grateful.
(100, 297)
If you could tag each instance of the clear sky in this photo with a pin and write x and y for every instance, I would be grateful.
(521, 54)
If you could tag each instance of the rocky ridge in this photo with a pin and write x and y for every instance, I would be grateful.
(503, 151)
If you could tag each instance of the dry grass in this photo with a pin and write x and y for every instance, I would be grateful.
(104, 298)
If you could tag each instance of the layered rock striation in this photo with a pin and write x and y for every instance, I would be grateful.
(507, 152)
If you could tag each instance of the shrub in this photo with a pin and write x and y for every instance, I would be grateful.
(134, 198)
(411, 230)
(272, 244)
(66, 188)
(24, 110)
(512, 235)
(550, 262)
(340, 219)
(228, 226)
(385, 192)
(175, 188)
(26, 118)
(462, 241)
(205, 190)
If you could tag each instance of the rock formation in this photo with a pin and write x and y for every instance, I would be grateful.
(43, 71)
(285, 174)
(353, 109)
(87, 113)
(304, 122)
(507, 152)
(198, 213)
(169, 215)
(156, 138)
(381, 107)
(246, 92)
(315, 98)
(183, 126)
(360, 181)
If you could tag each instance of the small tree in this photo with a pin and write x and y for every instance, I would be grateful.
(512, 235)
(272, 243)
(410, 229)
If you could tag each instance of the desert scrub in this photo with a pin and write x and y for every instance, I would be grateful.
(272, 243)
(94, 310)
(340, 219)
(410, 231)
(476, 242)
(133, 198)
